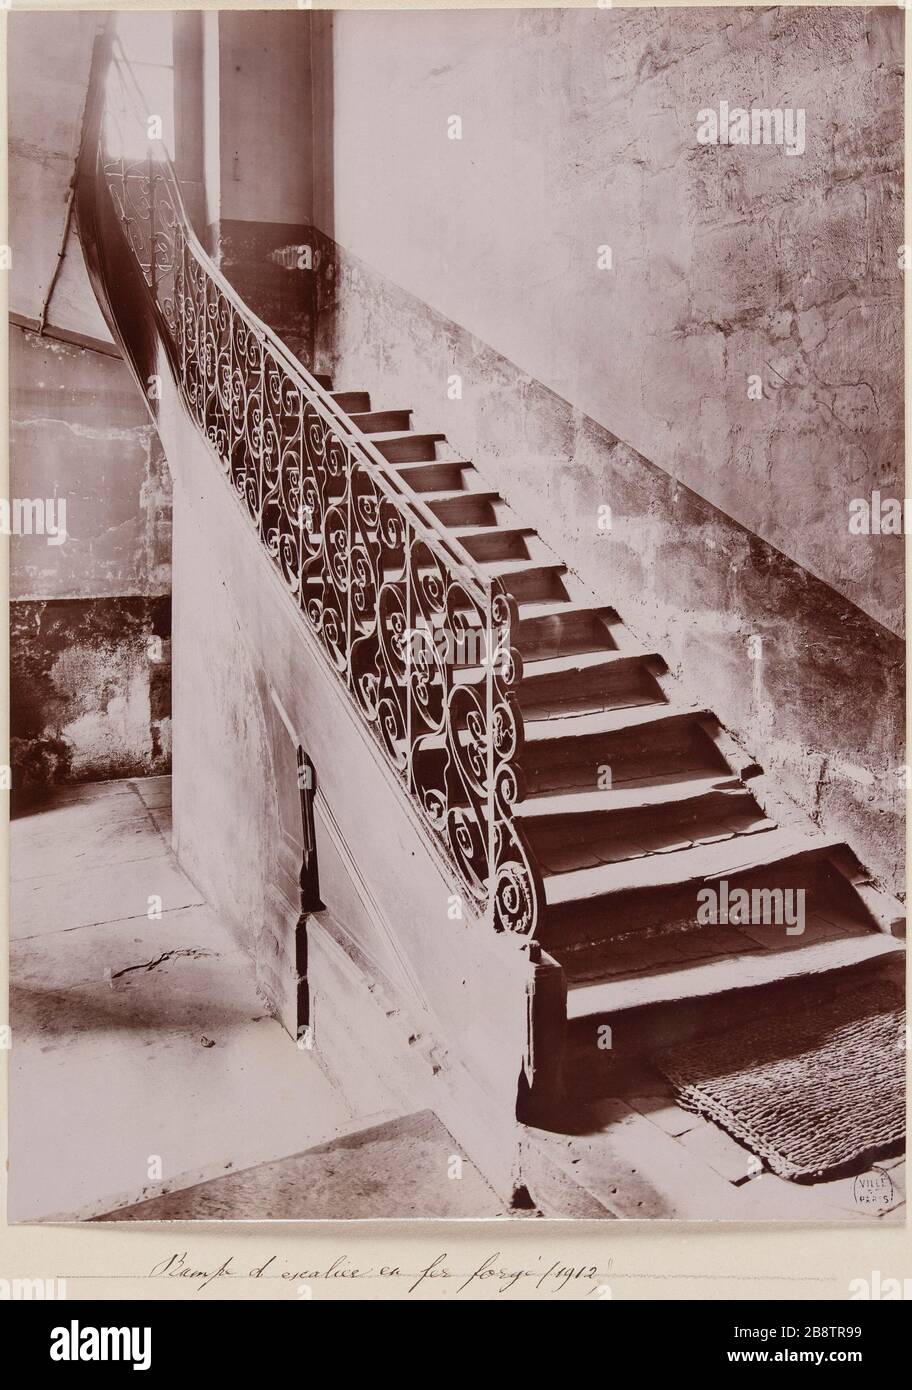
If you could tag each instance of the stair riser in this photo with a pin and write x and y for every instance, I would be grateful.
(562, 636)
(535, 585)
(416, 450)
(612, 687)
(435, 477)
(527, 586)
(498, 544)
(381, 421)
(581, 926)
(584, 763)
(352, 402)
(639, 1034)
(465, 511)
(684, 817)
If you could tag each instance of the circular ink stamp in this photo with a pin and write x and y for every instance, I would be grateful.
(874, 1190)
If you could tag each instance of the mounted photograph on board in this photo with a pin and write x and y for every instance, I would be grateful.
(457, 605)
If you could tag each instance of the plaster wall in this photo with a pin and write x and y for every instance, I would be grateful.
(474, 261)
(48, 62)
(578, 132)
(90, 617)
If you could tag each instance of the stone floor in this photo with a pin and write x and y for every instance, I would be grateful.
(640, 1155)
(149, 1082)
(407, 1167)
(143, 1060)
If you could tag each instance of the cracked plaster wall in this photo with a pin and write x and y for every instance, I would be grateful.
(90, 619)
(578, 131)
(477, 257)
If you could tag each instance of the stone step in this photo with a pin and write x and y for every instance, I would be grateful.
(577, 666)
(663, 1008)
(583, 933)
(598, 831)
(697, 866)
(352, 401)
(649, 798)
(645, 744)
(587, 682)
(559, 629)
(594, 723)
(457, 507)
(435, 476)
(381, 421)
(724, 974)
(571, 678)
(495, 543)
(528, 580)
(399, 447)
(613, 1162)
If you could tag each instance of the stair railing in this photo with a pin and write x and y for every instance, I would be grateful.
(415, 629)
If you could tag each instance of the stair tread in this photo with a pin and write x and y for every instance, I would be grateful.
(695, 864)
(724, 974)
(404, 436)
(460, 495)
(467, 533)
(352, 401)
(572, 664)
(364, 418)
(533, 610)
(633, 798)
(607, 721)
(560, 608)
(440, 465)
(431, 473)
(521, 565)
(410, 464)
(382, 410)
(575, 663)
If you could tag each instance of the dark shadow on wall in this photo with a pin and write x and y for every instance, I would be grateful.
(90, 690)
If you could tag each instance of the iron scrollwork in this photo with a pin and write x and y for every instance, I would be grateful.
(420, 637)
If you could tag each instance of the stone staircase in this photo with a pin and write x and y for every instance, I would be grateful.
(636, 799)
(582, 801)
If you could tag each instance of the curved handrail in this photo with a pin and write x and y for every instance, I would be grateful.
(295, 368)
(366, 560)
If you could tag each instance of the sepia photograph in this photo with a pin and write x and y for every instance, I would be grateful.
(456, 634)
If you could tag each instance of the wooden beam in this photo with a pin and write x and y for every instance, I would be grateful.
(65, 335)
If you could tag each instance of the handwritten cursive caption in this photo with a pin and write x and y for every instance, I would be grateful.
(544, 1277)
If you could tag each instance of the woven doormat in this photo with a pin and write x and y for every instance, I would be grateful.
(811, 1093)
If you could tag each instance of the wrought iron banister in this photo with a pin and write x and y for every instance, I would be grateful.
(414, 627)
(129, 114)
